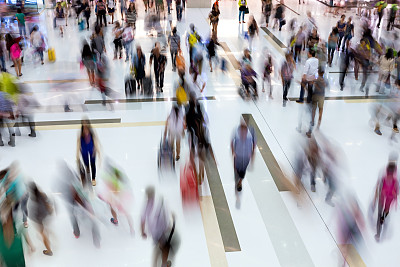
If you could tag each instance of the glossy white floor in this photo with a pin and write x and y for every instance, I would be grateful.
(135, 149)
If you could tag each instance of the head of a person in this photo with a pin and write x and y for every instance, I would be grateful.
(389, 53)
(150, 192)
(19, 10)
(362, 42)
(343, 17)
(243, 129)
(117, 24)
(86, 128)
(100, 1)
(350, 19)
(97, 29)
(314, 32)
(174, 30)
(139, 50)
(288, 56)
(35, 28)
(311, 53)
(335, 30)
(131, 6)
(309, 13)
(58, 4)
(246, 53)
(157, 48)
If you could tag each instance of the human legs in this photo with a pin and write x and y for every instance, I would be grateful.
(173, 59)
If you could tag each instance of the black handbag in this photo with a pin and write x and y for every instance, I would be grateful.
(246, 11)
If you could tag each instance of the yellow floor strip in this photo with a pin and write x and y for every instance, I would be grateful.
(370, 100)
(352, 257)
(59, 81)
(101, 125)
(215, 245)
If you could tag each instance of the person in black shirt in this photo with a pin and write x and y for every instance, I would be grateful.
(159, 66)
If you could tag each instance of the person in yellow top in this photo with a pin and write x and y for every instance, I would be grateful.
(242, 9)
(380, 6)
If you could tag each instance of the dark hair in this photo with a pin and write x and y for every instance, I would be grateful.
(19, 10)
(97, 29)
(174, 30)
(312, 53)
(86, 51)
(389, 53)
(335, 30)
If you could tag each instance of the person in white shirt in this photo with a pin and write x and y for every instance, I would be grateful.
(310, 73)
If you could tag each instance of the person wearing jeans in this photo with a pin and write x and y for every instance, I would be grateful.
(174, 41)
(21, 22)
(159, 66)
(309, 75)
(242, 9)
(287, 76)
(179, 8)
(101, 13)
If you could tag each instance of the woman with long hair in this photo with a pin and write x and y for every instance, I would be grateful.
(88, 148)
(15, 52)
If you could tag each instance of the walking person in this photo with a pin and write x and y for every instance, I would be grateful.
(174, 129)
(41, 209)
(279, 15)
(243, 150)
(6, 117)
(88, 60)
(111, 10)
(131, 15)
(211, 49)
(362, 57)
(380, 7)
(15, 53)
(25, 108)
(310, 73)
(242, 9)
(179, 8)
(85, 7)
(38, 42)
(287, 70)
(160, 61)
(97, 42)
(318, 98)
(21, 22)
(386, 66)
(139, 62)
(214, 19)
(267, 9)
(386, 192)
(268, 68)
(341, 26)
(117, 31)
(101, 13)
(59, 15)
(252, 30)
(332, 43)
(348, 34)
(174, 41)
(88, 148)
(128, 37)
(392, 17)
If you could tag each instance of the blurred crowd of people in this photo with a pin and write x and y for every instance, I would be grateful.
(79, 186)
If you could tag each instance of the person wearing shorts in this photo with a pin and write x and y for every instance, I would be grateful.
(318, 98)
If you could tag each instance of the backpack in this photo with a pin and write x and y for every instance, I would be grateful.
(181, 96)
(193, 39)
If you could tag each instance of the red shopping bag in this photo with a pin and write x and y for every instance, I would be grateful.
(188, 182)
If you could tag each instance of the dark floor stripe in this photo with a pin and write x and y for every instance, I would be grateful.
(225, 222)
(141, 100)
(273, 37)
(235, 63)
(289, 8)
(376, 97)
(267, 155)
(373, 71)
(69, 122)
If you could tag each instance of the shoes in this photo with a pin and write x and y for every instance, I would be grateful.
(313, 187)
(284, 104)
(1, 143)
(77, 235)
(299, 101)
(377, 238)
(308, 134)
(377, 131)
(161, 90)
(32, 134)
(395, 129)
(25, 224)
(114, 221)
(11, 143)
(177, 158)
(93, 182)
(330, 203)
(48, 252)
